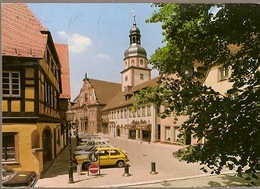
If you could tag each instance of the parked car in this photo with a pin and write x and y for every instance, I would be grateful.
(99, 138)
(80, 152)
(108, 156)
(84, 135)
(12, 178)
(89, 144)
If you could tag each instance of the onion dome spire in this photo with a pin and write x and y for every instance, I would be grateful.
(135, 48)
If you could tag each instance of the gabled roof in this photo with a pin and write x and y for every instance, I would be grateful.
(120, 101)
(22, 33)
(104, 90)
(63, 53)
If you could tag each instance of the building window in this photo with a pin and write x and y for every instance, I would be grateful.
(121, 114)
(148, 110)
(9, 151)
(138, 112)
(11, 83)
(223, 73)
(168, 133)
(130, 114)
(142, 76)
(176, 133)
(143, 111)
(125, 113)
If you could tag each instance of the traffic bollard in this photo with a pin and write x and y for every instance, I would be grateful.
(153, 171)
(79, 169)
(126, 174)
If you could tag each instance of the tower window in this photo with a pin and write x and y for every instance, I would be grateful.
(142, 76)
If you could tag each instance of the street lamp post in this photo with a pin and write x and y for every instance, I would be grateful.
(69, 117)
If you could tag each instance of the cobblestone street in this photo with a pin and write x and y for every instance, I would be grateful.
(170, 172)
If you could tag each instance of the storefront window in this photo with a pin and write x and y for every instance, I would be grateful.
(132, 133)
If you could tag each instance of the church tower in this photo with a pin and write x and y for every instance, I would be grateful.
(135, 61)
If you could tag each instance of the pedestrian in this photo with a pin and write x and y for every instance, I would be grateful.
(149, 136)
(77, 136)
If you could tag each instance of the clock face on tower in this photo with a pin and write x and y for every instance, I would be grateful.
(141, 61)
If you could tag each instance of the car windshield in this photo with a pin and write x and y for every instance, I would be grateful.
(92, 148)
(7, 173)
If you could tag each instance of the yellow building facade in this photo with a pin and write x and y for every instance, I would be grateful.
(33, 127)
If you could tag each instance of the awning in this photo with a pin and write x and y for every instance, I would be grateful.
(144, 126)
(130, 126)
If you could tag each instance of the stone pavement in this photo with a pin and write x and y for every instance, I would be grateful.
(57, 176)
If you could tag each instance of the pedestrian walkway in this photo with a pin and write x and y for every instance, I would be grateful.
(57, 176)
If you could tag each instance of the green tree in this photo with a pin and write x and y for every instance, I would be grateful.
(198, 37)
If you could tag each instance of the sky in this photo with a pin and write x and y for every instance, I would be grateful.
(98, 36)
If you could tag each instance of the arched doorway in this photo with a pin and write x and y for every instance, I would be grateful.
(46, 145)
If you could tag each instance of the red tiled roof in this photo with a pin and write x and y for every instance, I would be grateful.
(63, 53)
(119, 99)
(21, 32)
(105, 90)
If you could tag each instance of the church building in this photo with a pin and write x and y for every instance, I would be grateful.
(118, 115)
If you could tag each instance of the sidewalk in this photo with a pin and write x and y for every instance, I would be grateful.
(57, 176)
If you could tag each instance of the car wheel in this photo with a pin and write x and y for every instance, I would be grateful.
(120, 164)
(85, 165)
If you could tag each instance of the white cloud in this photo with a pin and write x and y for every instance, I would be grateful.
(77, 43)
(103, 56)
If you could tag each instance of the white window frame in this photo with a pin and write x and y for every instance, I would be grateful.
(8, 83)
